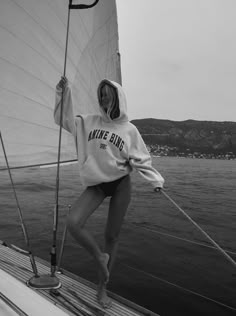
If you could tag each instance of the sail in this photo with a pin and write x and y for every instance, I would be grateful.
(33, 36)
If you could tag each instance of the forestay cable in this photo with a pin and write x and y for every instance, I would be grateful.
(199, 228)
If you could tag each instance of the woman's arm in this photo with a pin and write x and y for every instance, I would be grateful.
(140, 159)
(68, 119)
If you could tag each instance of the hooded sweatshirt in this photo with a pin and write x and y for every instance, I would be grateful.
(107, 149)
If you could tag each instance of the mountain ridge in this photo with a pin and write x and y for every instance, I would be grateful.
(205, 137)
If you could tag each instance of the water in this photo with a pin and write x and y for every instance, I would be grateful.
(157, 265)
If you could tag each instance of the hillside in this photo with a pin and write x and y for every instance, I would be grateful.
(200, 137)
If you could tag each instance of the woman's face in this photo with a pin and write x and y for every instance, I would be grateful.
(106, 98)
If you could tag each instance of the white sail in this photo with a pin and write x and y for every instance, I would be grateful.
(32, 36)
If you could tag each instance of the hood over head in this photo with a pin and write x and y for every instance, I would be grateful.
(119, 105)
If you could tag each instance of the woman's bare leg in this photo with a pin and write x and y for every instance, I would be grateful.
(82, 208)
(118, 206)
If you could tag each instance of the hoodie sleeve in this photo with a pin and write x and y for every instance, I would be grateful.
(140, 159)
(68, 122)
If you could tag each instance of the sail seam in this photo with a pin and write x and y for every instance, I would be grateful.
(30, 123)
(88, 51)
(41, 26)
(64, 24)
(25, 97)
(26, 72)
(35, 50)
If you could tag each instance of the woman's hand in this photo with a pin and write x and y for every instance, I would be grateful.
(62, 83)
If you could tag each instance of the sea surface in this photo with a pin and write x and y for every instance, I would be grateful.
(164, 262)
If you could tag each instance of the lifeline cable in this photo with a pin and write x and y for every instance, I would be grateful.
(179, 287)
(179, 238)
(199, 228)
(25, 233)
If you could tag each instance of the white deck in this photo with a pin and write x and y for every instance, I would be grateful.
(77, 296)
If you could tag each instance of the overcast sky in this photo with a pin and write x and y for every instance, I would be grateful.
(179, 58)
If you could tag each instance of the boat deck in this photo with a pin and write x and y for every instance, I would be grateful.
(76, 296)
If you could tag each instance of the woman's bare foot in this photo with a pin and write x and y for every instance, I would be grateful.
(103, 262)
(102, 297)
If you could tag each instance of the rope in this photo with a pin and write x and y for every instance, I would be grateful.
(230, 259)
(68, 304)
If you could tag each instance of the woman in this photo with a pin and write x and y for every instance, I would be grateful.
(109, 147)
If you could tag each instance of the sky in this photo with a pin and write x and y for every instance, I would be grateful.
(178, 58)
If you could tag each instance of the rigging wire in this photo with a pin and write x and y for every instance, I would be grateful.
(222, 251)
(178, 286)
(25, 233)
(56, 208)
(41, 165)
(179, 238)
